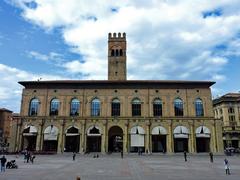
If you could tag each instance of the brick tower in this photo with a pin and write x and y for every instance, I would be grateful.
(117, 46)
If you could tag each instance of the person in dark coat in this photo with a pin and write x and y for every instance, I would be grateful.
(74, 156)
(211, 157)
(3, 162)
(185, 156)
(122, 154)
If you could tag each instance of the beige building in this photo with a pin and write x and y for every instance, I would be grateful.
(118, 114)
(227, 108)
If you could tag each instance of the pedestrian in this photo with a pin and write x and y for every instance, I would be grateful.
(28, 157)
(74, 156)
(3, 162)
(122, 154)
(185, 156)
(211, 157)
(32, 158)
(226, 166)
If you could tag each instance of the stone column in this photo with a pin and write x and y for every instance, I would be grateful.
(125, 137)
(147, 149)
(170, 138)
(103, 137)
(60, 139)
(39, 136)
(192, 138)
(82, 147)
(213, 137)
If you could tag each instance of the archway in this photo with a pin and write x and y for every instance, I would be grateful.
(94, 139)
(115, 139)
(159, 134)
(203, 139)
(50, 138)
(180, 139)
(137, 139)
(29, 138)
(72, 140)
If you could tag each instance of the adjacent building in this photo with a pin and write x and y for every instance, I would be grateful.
(118, 114)
(227, 108)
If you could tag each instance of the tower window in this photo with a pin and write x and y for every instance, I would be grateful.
(117, 53)
(121, 52)
(112, 52)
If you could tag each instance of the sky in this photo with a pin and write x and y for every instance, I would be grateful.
(166, 40)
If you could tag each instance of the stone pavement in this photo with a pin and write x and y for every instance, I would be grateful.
(131, 167)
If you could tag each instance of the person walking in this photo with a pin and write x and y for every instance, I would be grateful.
(185, 156)
(122, 154)
(226, 166)
(3, 162)
(211, 157)
(74, 156)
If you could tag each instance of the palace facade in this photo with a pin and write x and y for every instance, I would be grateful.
(118, 114)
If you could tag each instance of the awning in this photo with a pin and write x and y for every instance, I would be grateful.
(29, 129)
(137, 140)
(159, 130)
(137, 130)
(51, 133)
(181, 132)
(203, 132)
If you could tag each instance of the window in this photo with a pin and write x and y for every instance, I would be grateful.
(112, 52)
(116, 107)
(121, 52)
(157, 107)
(54, 108)
(231, 110)
(136, 107)
(95, 107)
(232, 118)
(75, 105)
(178, 107)
(199, 108)
(33, 107)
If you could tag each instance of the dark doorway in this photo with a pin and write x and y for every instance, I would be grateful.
(203, 144)
(159, 143)
(94, 144)
(50, 145)
(72, 140)
(180, 144)
(115, 139)
(29, 142)
(235, 143)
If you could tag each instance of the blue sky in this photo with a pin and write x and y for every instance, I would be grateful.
(67, 39)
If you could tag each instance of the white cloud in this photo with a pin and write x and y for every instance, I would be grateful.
(10, 90)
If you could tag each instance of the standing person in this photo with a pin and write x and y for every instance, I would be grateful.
(122, 154)
(226, 166)
(28, 156)
(185, 156)
(211, 157)
(74, 156)
(3, 162)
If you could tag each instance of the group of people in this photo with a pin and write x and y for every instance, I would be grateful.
(28, 156)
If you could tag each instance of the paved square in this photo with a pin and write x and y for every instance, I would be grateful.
(132, 167)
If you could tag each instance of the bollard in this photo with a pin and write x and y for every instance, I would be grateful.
(78, 178)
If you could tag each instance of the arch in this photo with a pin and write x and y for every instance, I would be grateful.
(115, 100)
(159, 130)
(29, 138)
(72, 130)
(137, 130)
(203, 131)
(72, 139)
(94, 131)
(115, 139)
(33, 107)
(157, 101)
(181, 139)
(181, 132)
(136, 101)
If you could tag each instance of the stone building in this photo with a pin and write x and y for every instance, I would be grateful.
(227, 108)
(5, 128)
(118, 114)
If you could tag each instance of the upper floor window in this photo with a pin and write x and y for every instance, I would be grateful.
(136, 107)
(75, 106)
(178, 107)
(231, 110)
(199, 107)
(33, 107)
(54, 108)
(157, 107)
(95, 107)
(115, 107)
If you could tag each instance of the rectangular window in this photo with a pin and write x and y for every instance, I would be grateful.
(115, 109)
(157, 109)
(178, 109)
(136, 109)
(231, 110)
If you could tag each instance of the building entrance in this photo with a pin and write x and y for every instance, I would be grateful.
(29, 138)
(72, 140)
(115, 141)
(159, 143)
(94, 139)
(203, 144)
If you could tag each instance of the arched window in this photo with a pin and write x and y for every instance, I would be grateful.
(136, 107)
(95, 107)
(75, 105)
(117, 52)
(33, 107)
(54, 108)
(199, 107)
(115, 107)
(121, 52)
(178, 107)
(157, 107)
(112, 52)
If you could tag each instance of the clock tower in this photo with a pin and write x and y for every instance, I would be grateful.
(117, 46)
